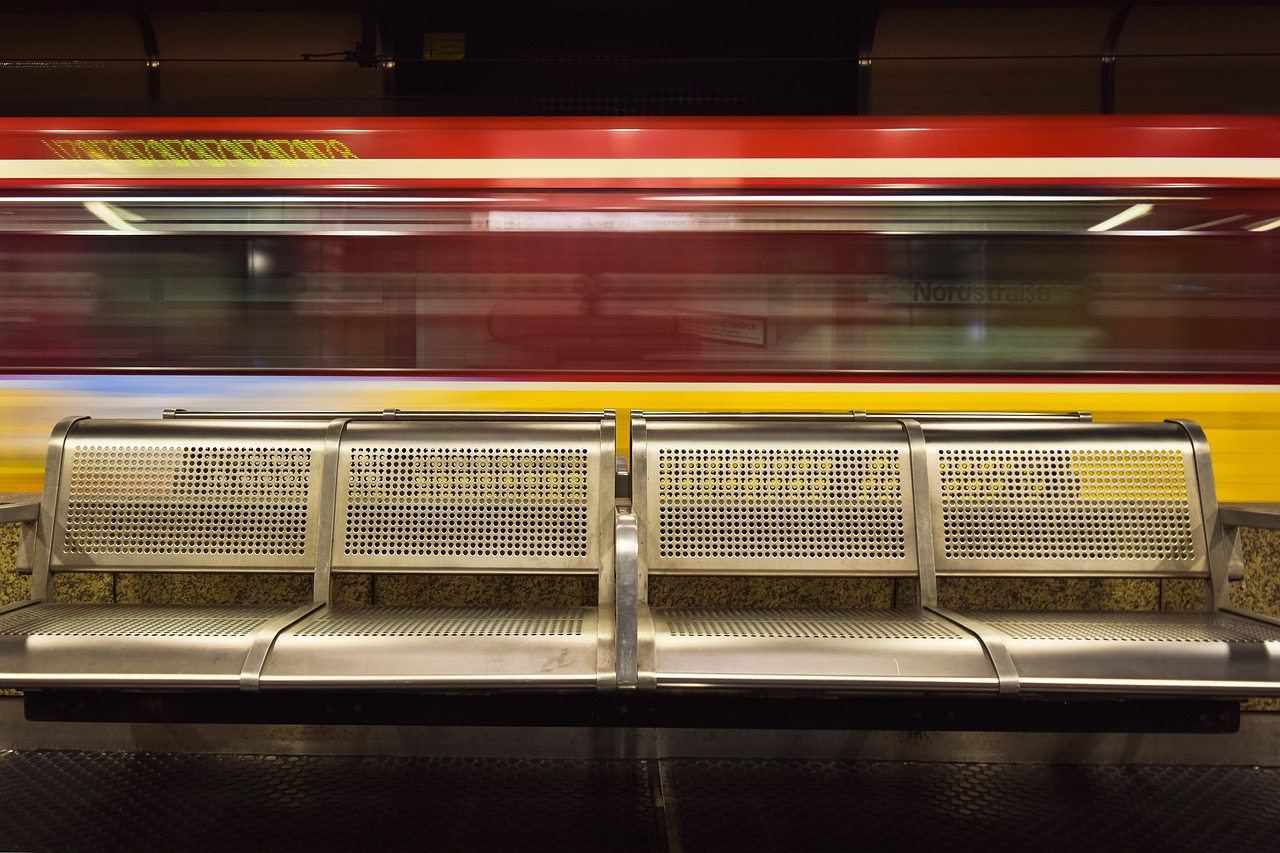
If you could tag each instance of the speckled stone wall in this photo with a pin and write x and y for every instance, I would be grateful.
(13, 586)
(1260, 589)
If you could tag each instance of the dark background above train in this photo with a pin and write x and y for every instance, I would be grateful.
(492, 57)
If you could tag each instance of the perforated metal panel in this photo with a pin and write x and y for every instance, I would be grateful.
(125, 620)
(1080, 503)
(745, 497)
(182, 494)
(1163, 626)
(806, 624)
(444, 622)
(493, 496)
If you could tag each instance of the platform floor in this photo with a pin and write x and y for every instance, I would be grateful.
(101, 801)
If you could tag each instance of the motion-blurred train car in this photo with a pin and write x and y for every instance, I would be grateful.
(1126, 266)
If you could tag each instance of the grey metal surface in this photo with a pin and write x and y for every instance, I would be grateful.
(42, 544)
(1261, 515)
(1221, 549)
(993, 643)
(1011, 496)
(129, 646)
(772, 495)
(434, 492)
(1064, 498)
(213, 495)
(447, 647)
(444, 622)
(1136, 652)
(20, 509)
(974, 416)
(263, 641)
(878, 650)
(926, 567)
(499, 496)
(626, 606)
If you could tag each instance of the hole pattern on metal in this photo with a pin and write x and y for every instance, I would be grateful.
(187, 500)
(818, 624)
(765, 503)
(473, 502)
(1012, 504)
(444, 622)
(135, 620)
(1164, 626)
(78, 802)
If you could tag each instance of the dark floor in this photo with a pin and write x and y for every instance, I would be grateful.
(70, 801)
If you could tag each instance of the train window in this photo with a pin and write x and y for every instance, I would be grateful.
(968, 280)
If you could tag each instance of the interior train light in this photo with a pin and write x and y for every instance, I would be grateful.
(1127, 215)
(251, 199)
(1266, 224)
(117, 217)
(1216, 222)
(925, 198)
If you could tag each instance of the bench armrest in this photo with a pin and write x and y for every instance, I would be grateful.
(22, 508)
(19, 507)
(1261, 515)
(1234, 516)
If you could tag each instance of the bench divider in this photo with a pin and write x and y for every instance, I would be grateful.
(1218, 585)
(926, 572)
(41, 575)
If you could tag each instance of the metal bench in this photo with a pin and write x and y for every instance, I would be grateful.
(482, 494)
(934, 497)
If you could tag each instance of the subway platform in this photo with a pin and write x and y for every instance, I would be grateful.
(149, 787)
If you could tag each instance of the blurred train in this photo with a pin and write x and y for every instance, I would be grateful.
(1127, 266)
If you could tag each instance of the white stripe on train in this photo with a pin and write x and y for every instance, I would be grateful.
(817, 168)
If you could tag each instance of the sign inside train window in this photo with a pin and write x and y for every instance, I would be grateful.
(738, 330)
(966, 292)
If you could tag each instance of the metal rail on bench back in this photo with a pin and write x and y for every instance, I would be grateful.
(384, 415)
(862, 415)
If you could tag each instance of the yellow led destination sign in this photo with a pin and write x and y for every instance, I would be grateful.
(204, 151)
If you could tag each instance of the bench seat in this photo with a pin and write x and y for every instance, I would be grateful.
(131, 646)
(465, 647)
(1169, 653)
(898, 650)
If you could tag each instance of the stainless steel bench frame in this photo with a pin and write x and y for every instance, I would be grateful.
(624, 595)
(1220, 559)
(612, 646)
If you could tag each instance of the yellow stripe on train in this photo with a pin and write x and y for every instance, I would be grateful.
(1241, 421)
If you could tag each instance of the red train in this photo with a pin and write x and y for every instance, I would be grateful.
(1123, 265)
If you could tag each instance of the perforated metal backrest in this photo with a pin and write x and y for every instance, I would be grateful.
(772, 495)
(524, 495)
(208, 496)
(1063, 499)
